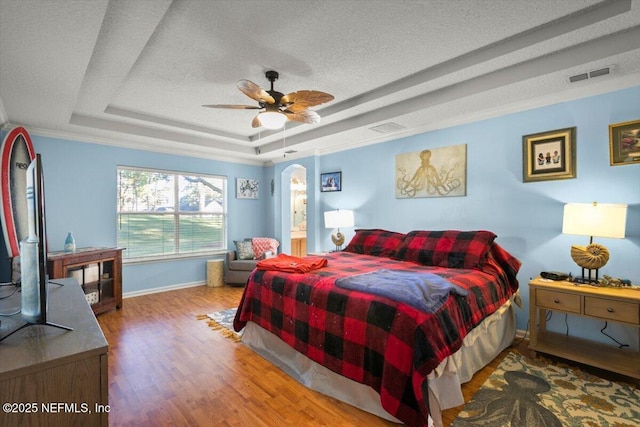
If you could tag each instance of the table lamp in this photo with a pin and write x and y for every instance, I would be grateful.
(593, 219)
(337, 219)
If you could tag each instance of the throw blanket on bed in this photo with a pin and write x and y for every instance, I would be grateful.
(424, 291)
(376, 341)
(291, 264)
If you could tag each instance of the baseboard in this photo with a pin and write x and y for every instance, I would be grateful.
(520, 334)
(162, 289)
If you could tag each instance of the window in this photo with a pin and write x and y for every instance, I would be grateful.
(164, 213)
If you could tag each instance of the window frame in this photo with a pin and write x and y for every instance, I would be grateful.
(176, 213)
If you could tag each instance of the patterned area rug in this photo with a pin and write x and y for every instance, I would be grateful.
(222, 321)
(535, 393)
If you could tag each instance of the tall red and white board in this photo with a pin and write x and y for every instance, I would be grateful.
(16, 154)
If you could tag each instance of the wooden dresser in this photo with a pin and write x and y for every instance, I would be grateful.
(50, 376)
(620, 305)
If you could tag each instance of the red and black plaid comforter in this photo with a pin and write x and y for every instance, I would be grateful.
(373, 340)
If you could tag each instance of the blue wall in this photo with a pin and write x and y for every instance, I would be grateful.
(527, 217)
(80, 191)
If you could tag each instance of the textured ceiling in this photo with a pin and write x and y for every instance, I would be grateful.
(136, 73)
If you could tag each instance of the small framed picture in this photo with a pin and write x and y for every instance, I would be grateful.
(549, 155)
(624, 143)
(331, 181)
(246, 188)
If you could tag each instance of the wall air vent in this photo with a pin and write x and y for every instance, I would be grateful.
(387, 127)
(591, 74)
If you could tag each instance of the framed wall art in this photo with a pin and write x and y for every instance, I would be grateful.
(436, 172)
(624, 143)
(246, 188)
(331, 181)
(549, 155)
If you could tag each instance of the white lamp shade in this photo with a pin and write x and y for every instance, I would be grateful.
(338, 218)
(595, 219)
(272, 119)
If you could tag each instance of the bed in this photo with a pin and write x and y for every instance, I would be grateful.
(332, 323)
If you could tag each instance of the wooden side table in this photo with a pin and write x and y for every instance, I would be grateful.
(215, 273)
(98, 270)
(621, 305)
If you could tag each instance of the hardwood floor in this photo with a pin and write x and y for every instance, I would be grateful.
(166, 368)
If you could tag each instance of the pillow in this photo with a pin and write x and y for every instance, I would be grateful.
(375, 242)
(450, 248)
(244, 249)
(264, 244)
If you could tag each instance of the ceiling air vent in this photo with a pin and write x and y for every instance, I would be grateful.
(387, 127)
(590, 74)
(600, 72)
(578, 77)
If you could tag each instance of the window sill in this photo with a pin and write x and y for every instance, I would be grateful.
(174, 257)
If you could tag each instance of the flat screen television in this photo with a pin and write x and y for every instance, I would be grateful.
(33, 252)
(33, 249)
(34, 281)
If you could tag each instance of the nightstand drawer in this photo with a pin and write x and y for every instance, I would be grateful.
(613, 310)
(558, 301)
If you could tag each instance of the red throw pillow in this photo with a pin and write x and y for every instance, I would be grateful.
(449, 248)
(375, 242)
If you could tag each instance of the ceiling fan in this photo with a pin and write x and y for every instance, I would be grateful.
(278, 108)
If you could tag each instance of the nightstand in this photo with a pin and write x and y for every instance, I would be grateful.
(621, 305)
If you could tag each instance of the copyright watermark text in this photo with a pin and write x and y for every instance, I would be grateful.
(53, 408)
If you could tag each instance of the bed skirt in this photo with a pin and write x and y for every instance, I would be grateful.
(479, 348)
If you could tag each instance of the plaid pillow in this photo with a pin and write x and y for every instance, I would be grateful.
(374, 242)
(244, 249)
(449, 249)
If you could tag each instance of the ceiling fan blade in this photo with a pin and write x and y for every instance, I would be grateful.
(234, 107)
(306, 116)
(304, 98)
(255, 92)
(295, 108)
(255, 123)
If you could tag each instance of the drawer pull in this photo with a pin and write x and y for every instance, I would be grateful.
(610, 310)
(557, 301)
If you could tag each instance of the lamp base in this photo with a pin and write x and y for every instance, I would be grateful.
(338, 240)
(588, 278)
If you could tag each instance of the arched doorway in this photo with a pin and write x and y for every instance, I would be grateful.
(294, 210)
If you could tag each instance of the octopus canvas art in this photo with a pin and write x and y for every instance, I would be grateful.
(437, 172)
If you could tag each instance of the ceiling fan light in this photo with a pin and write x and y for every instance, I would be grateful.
(272, 120)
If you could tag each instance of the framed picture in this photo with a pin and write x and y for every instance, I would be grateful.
(549, 155)
(246, 188)
(624, 143)
(331, 181)
(436, 172)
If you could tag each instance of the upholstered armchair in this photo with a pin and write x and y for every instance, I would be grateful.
(237, 271)
(240, 263)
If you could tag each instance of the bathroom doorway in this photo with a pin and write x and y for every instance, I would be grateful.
(298, 191)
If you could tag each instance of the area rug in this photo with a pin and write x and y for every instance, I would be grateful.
(535, 393)
(222, 321)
